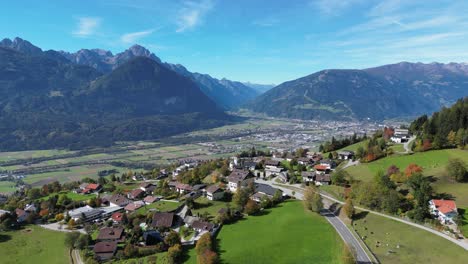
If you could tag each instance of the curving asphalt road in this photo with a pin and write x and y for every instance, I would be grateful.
(347, 236)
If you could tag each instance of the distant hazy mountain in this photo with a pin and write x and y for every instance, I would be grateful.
(228, 94)
(46, 101)
(397, 90)
(260, 88)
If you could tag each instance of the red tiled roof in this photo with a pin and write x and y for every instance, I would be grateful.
(117, 216)
(445, 206)
(93, 186)
(133, 206)
(320, 167)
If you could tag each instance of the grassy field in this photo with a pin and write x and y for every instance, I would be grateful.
(35, 246)
(415, 245)
(74, 196)
(433, 163)
(464, 216)
(7, 187)
(286, 234)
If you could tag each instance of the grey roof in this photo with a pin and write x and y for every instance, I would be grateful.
(308, 174)
(266, 189)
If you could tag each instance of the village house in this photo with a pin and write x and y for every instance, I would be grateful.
(308, 176)
(118, 200)
(161, 220)
(183, 188)
(133, 206)
(263, 190)
(304, 161)
(202, 226)
(111, 234)
(21, 215)
(400, 136)
(321, 169)
(150, 199)
(85, 213)
(136, 194)
(239, 178)
(105, 250)
(322, 179)
(147, 187)
(283, 176)
(345, 154)
(2, 212)
(87, 188)
(117, 217)
(444, 210)
(214, 193)
(328, 163)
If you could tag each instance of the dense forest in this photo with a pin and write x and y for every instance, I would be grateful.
(444, 129)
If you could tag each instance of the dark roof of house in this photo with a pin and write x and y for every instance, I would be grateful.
(239, 175)
(272, 163)
(308, 174)
(202, 225)
(213, 188)
(146, 185)
(105, 247)
(197, 187)
(323, 178)
(163, 219)
(119, 200)
(266, 189)
(20, 212)
(184, 186)
(110, 233)
(136, 193)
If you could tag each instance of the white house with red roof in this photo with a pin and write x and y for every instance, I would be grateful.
(444, 210)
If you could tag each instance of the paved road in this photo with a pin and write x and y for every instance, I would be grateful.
(57, 227)
(340, 227)
(347, 236)
(406, 145)
(76, 257)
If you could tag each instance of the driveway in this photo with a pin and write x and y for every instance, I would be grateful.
(57, 227)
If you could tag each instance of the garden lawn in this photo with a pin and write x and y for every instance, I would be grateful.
(211, 207)
(464, 216)
(161, 206)
(74, 196)
(416, 245)
(36, 246)
(286, 234)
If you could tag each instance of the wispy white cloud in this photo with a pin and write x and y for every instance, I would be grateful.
(130, 38)
(192, 14)
(87, 26)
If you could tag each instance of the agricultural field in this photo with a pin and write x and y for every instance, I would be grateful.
(8, 156)
(286, 234)
(33, 244)
(7, 187)
(73, 196)
(395, 242)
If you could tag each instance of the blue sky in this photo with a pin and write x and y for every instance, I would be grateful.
(247, 40)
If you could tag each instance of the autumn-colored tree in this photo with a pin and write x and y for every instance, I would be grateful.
(312, 199)
(251, 207)
(208, 257)
(349, 208)
(71, 223)
(171, 239)
(452, 138)
(174, 253)
(392, 170)
(205, 252)
(412, 169)
(427, 145)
